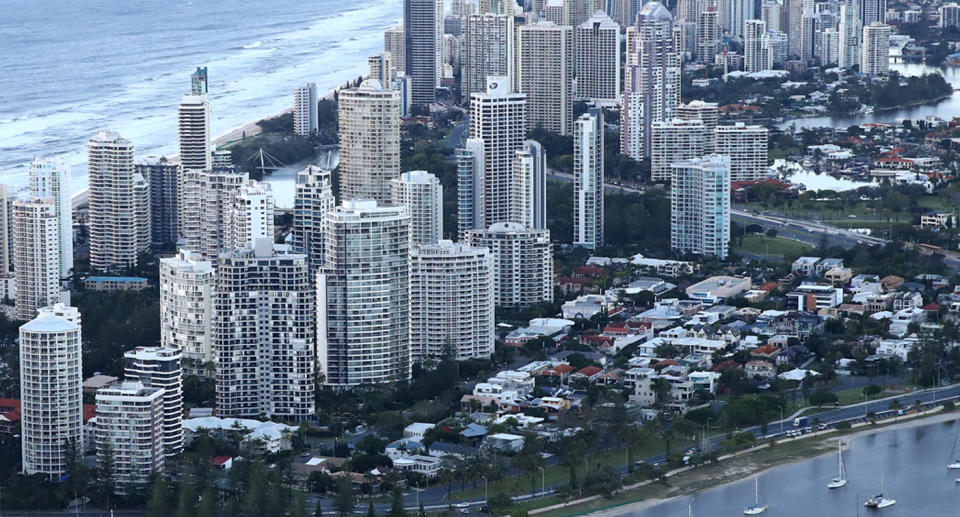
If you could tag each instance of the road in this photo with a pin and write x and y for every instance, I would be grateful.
(806, 231)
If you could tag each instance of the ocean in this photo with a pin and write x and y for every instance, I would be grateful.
(73, 68)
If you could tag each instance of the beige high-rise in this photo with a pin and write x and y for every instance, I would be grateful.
(486, 50)
(369, 141)
(598, 58)
(36, 255)
(546, 76)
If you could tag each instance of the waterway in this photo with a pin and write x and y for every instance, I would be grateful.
(945, 109)
(912, 461)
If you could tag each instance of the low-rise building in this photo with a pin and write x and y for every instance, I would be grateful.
(813, 297)
(111, 284)
(504, 442)
(717, 288)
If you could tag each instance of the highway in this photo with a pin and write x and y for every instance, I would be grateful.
(806, 231)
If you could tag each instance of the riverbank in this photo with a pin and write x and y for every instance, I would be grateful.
(733, 468)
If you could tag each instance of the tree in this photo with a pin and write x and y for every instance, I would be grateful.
(158, 505)
(208, 504)
(298, 507)
(370, 510)
(822, 397)
(396, 504)
(499, 504)
(345, 499)
(872, 390)
(186, 501)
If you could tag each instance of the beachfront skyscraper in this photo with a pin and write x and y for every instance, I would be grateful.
(546, 76)
(700, 206)
(369, 117)
(423, 46)
(206, 209)
(36, 258)
(598, 58)
(451, 302)
(6, 232)
(159, 367)
(522, 263)
(198, 81)
(51, 399)
(588, 179)
(530, 194)
(311, 202)
(363, 309)
(251, 216)
(422, 194)
(497, 121)
(652, 78)
(264, 333)
(187, 284)
(163, 178)
(194, 132)
(875, 58)
(486, 49)
(119, 206)
(305, 117)
(393, 43)
(50, 178)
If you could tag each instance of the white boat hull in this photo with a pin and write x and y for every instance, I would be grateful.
(755, 510)
(954, 466)
(837, 483)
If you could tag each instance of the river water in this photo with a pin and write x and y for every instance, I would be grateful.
(913, 462)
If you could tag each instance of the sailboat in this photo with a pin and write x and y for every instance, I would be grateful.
(756, 508)
(879, 501)
(841, 479)
(954, 454)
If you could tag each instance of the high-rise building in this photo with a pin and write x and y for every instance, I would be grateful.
(949, 15)
(734, 14)
(753, 59)
(187, 284)
(159, 367)
(363, 327)
(522, 263)
(194, 132)
(36, 256)
(553, 11)
(130, 433)
(393, 42)
(487, 50)
(451, 302)
(251, 216)
(706, 112)
(264, 333)
(708, 34)
(598, 59)
(530, 170)
(700, 206)
(829, 47)
(119, 204)
(51, 398)
(851, 32)
(875, 59)
(163, 179)
(497, 121)
(795, 11)
(305, 117)
(771, 13)
(675, 141)
(746, 147)
(198, 81)
(588, 179)
(312, 200)
(381, 68)
(470, 187)
(423, 45)
(422, 194)
(369, 119)
(873, 11)
(652, 78)
(546, 76)
(50, 178)
(626, 11)
(776, 46)
(6, 232)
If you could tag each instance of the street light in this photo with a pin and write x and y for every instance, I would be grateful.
(543, 481)
(485, 489)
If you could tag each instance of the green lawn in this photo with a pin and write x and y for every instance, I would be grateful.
(775, 247)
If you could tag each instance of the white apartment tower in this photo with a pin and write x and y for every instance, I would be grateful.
(130, 426)
(119, 206)
(530, 171)
(207, 201)
(363, 314)
(700, 206)
(875, 59)
(251, 216)
(771, 13)
(873, 11)
(369, 119)
(734, 14)
(706, 112)
(187, 284)
(851, 32)
(393, 42)
(6, 232)
(194, 132)
(746, 147)
(522, 263)
(159, 367)
(588, 180)
(311, 202)
(305, 117)
(50, 178)
(451, 302)
(51, 398)
(36, 256)
(949, 15)
(497, 121)
(422, 194)
(486, 50)
(652, 78)
(598, 59)
(470, 186)
(753, 59)
(546, 76)
(708, 34)
(423, 46)
(675, 141)
(263, 333)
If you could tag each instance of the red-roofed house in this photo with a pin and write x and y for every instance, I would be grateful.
(590, 373)
(561, 372)
(9, 415)
(89, 411)
(765, 352)
(588, 272)
(222, 462)
(725, 365)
